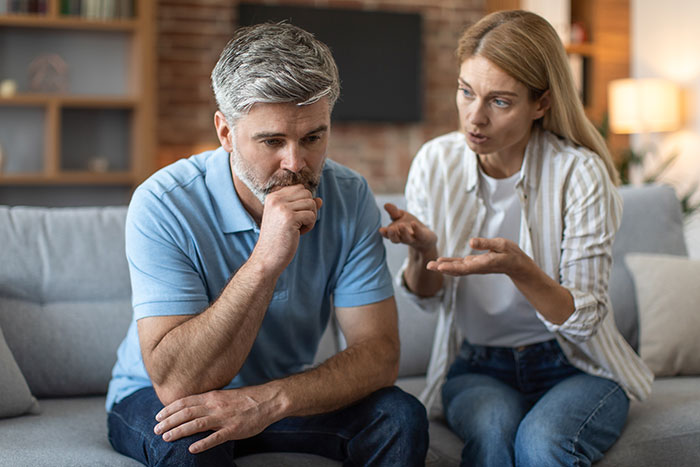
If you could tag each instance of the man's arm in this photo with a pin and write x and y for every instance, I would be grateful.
(187, 355)
(369, 362)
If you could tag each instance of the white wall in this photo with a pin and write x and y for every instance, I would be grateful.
(666, 44)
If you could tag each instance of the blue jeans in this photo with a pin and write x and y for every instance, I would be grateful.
(389, 427)
(530, 407)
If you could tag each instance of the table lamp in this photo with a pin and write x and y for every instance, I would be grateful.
(643, 106)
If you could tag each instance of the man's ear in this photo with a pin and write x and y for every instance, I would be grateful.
(542, 105)
(224, 131)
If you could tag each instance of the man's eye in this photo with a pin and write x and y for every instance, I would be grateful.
(272, 142)
(312, 139)
(500, 103)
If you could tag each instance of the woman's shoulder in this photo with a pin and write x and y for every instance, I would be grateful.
(563, 152)
(445, 147)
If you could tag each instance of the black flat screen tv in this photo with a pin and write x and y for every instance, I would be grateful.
(378, 56)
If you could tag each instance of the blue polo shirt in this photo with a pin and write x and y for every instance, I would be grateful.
(187, 233)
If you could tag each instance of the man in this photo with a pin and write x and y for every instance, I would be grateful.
(236, 256)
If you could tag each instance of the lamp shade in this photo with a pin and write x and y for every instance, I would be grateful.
(643, 105)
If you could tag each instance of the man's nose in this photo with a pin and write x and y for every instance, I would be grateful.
(292, 159)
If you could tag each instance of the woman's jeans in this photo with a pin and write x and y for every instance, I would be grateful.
(529, 407)
(387, 428)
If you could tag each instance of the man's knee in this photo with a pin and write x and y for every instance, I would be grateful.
(401, 409)
(177, 453)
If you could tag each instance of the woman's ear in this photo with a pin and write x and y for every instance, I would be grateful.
(223, 131)
(542, 105)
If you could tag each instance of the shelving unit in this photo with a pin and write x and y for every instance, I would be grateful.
(605, 50)
(94, 124)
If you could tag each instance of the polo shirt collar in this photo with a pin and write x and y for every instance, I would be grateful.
(230, 212)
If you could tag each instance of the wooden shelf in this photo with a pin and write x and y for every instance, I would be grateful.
(107, 111)
(67, 100)
(68, 178)
(586, 49)
(67, 22)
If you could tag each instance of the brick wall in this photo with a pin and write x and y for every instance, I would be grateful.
(191, 34)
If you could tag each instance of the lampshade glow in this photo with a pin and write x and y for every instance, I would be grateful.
(643, 105)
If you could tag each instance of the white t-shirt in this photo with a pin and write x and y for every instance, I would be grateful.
(490, 309)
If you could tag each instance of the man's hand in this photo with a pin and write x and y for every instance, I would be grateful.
(289, 212)
(502, 256)
(407, 229)
(231, 414)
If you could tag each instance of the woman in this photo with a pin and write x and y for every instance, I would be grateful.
(510, 225)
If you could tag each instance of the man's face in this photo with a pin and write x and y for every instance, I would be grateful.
(277, 145)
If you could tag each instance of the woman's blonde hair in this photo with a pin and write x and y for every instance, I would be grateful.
(527, 47)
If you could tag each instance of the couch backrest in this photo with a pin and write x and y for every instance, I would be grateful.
(65, 291)
(64, 295)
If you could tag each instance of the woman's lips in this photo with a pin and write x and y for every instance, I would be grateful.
(476, 138)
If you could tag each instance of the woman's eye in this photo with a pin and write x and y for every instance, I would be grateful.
(466, 92)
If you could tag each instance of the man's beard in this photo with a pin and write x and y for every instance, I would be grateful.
(282, 178)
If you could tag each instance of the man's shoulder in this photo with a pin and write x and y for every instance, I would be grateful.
(181, 174)
(341, 179)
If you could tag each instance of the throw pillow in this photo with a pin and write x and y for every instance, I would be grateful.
(16, 398)
(668, 299)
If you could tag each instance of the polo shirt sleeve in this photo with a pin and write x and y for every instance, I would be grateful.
(365, 277)
(164, 280)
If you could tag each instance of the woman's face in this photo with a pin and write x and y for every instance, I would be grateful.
(495, 111)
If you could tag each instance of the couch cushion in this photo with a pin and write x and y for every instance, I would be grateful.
(663, 430)
(64, 295)
(68, 432)
(651, 223)
(669, 312)
(16, 398)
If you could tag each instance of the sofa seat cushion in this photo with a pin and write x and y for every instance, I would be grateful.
(662, 430)
(71, 431)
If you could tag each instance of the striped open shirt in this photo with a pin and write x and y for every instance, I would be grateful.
(570, 210)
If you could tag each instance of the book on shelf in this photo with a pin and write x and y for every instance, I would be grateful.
(98, 9)
(23, 6)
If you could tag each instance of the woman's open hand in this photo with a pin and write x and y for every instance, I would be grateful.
(407, 229)
(502, 256)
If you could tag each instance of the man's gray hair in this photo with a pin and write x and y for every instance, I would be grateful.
(273, 63)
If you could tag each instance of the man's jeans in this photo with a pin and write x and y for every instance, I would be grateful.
(387, 428)
(530, 407)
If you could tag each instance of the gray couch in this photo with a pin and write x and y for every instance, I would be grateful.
(64, 308)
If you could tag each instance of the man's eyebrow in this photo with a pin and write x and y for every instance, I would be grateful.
(492, 93)
(271, 134)
(319, 129)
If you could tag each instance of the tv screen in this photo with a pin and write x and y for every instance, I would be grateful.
(378, 56)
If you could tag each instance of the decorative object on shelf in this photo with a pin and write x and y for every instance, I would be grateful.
(8, 88)
(98, 164)
(48, 73)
